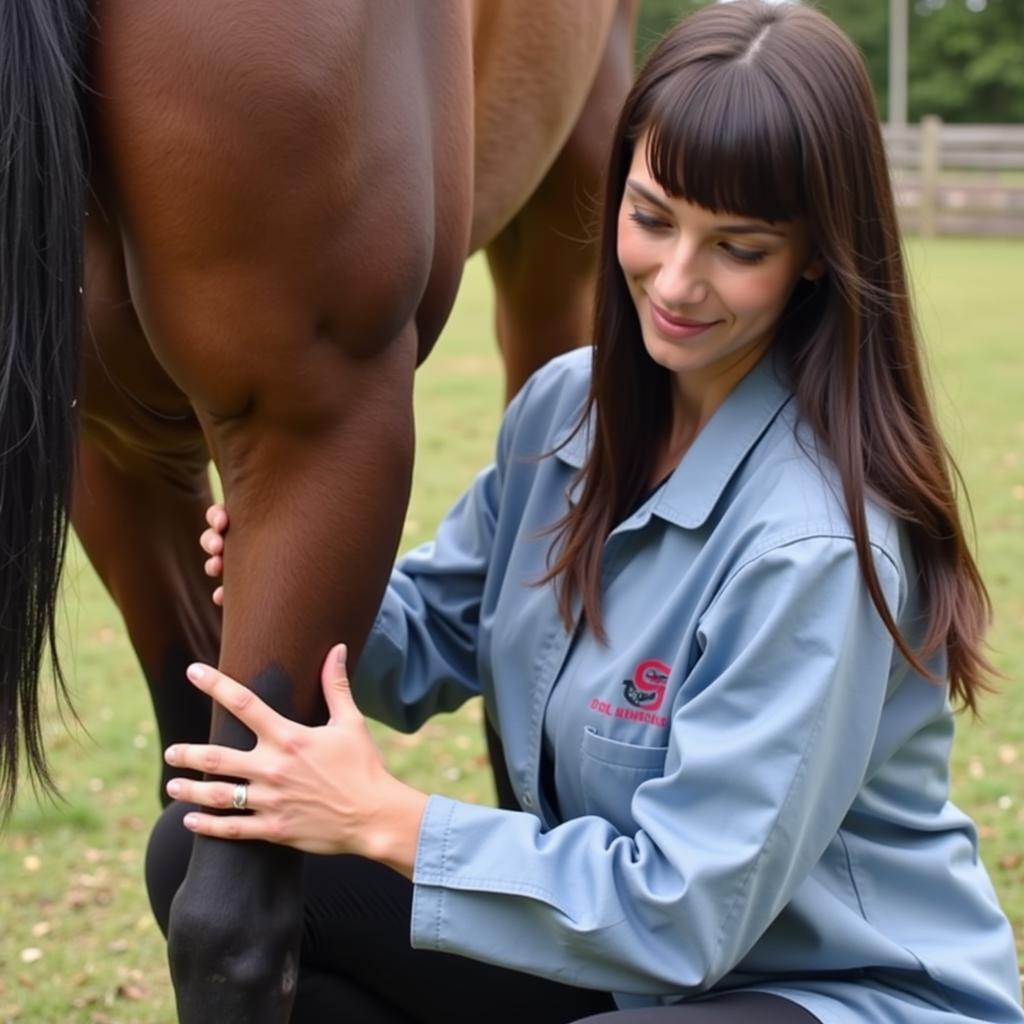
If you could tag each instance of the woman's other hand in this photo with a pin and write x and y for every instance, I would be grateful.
(212, 542)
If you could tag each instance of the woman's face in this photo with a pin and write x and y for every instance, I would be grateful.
(709, 288)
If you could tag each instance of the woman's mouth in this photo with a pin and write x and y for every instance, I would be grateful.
(676, 327)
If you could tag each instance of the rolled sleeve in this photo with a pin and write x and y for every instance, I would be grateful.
(771, 736)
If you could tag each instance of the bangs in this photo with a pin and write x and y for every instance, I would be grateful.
(723, 137)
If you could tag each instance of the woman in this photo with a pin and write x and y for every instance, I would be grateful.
(715, 592)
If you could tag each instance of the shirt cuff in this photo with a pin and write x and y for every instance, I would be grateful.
(426, 923)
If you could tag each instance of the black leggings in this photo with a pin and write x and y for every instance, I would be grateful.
(357, 964)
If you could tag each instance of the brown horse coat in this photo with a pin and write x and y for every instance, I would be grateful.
(282, 196)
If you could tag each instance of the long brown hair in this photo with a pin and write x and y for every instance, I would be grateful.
(766, 110)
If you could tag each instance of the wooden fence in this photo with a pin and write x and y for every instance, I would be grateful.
(958, 179)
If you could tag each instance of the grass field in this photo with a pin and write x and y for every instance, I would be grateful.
(77, 943)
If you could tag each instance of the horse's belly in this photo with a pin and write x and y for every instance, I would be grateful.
(534, 63)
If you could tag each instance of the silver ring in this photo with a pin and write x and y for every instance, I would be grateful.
(240, 797)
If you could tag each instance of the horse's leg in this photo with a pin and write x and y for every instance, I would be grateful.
(291, 230)
(140, 492)
(316, 477)
(543, 263)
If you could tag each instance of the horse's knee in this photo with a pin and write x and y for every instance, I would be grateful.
(222, 964)
(224, 968)
(211, 952)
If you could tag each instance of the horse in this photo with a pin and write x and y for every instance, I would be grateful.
(232, 232)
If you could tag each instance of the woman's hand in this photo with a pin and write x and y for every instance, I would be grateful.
(322, 790)
(212, 542)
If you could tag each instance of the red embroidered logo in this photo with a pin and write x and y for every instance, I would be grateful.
(647, 687)
(645, 692)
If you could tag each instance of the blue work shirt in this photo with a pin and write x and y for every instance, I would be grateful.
(750, 783)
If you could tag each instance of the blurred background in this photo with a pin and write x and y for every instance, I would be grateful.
(948, 76)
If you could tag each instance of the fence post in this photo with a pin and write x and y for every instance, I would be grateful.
(931, 169)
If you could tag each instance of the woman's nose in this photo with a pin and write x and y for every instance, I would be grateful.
(682, 281)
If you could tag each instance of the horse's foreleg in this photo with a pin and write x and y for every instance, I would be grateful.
(139, 526)
(286, 212)
(141, 487)
(316, 477)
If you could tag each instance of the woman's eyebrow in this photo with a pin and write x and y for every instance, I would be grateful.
(746, 228)
(645, 193)
(750, 229)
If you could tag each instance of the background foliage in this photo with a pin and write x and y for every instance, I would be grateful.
(966, 57)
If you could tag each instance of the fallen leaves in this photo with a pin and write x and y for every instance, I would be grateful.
(81, 943)
(133, 991)
(131, 987)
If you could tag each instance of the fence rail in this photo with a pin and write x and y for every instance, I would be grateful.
(958, 179)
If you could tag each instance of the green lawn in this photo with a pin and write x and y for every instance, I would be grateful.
(77, 943)
(968, 305)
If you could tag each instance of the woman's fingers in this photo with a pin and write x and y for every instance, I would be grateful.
(217, 517)
(211, 542)
(220, 795)
(210, 759)
(334, 678)
(239, 700)
(232, 826)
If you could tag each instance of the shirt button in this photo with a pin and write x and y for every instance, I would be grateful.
(527, 800)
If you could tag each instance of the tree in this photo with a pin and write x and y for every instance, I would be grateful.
(656, 18)
(966, 59)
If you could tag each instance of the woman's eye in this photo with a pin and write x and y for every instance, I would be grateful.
(645, 220)
(744, 255)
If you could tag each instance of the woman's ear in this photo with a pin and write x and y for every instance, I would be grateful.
(815, 270)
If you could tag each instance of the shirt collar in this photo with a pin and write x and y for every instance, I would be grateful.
(696, 484)
(572, 444)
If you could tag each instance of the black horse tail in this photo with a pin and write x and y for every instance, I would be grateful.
(42, 195)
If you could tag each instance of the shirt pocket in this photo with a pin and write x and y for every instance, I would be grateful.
(610, 773)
